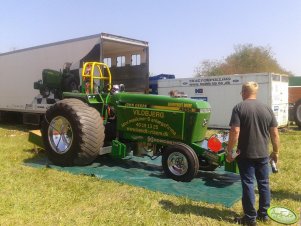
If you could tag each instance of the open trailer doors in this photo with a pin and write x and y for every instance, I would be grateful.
(127, 58)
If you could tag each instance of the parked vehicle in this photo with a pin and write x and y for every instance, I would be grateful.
(294, 99)
(127, 58)
(223, 92)
(101, 118)
(153, 82)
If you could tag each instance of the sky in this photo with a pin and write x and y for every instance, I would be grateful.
(181, 33)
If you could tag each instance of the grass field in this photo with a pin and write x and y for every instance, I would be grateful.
(31, 196)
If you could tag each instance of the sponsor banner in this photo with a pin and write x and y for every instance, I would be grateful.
(151, 122)
(213, 81)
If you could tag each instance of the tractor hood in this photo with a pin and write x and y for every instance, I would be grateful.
(168, 118)
(161, 102)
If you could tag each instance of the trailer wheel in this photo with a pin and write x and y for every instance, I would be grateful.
(180, 162)
(72, 132)
(297, 113)
(205, 165)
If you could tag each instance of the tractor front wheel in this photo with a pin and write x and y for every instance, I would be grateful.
(72, 132)
(180, 162)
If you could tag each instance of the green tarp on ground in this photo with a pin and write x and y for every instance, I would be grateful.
(213, 187)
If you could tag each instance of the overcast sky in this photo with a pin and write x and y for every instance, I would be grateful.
(181, 34)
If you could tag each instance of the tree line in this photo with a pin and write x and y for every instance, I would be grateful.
(245, 59)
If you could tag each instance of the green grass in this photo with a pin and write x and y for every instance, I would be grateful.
(32, 196)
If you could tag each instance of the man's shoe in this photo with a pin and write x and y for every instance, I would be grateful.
(244, 221)
(263, 218)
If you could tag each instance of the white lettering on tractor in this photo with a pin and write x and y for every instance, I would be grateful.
(146, 113)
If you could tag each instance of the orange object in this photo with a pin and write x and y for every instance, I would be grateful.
(214, 144)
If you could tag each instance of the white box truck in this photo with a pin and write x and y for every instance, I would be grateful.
(223, 93)
(127, 58)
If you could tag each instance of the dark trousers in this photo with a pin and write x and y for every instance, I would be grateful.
(249, 170)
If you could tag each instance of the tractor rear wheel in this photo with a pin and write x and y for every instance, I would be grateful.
(180, 162)
(297, 113)
(73, 133)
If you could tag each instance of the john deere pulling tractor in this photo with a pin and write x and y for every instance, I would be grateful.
(103, 119)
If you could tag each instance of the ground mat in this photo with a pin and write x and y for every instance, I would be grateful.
(213, 187)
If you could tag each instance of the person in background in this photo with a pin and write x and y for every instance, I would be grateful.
(177, 94)
(253, 124)
(173, 93)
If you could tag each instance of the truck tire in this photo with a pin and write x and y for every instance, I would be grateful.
(72, 132)
(180, 162)
(297, 113)
(205, 165)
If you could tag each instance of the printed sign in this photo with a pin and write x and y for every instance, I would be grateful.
(200, 98)
(198, 91)
(214, 81)
(151, 122)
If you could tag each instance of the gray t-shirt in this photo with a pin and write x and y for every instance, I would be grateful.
(255, 120)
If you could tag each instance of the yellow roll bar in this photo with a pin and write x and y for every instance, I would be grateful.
(92, 71)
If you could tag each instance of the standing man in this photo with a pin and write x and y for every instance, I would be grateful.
(253, 124)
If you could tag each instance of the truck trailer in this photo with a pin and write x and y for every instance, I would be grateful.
(153, 82)
(22, 69)
(294, 99)
(223, 93)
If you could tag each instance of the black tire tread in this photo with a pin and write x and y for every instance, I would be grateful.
(88, 126)
(192, 161)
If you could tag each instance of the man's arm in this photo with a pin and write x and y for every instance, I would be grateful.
(275, 143)
(233, 138)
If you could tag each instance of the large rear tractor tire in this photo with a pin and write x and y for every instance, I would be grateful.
(180, 162)
(72, 132)
(297, 113)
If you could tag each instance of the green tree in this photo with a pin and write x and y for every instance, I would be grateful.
(245, 59)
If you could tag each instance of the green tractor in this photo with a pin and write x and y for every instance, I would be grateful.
(54, 83)
(104, 119)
